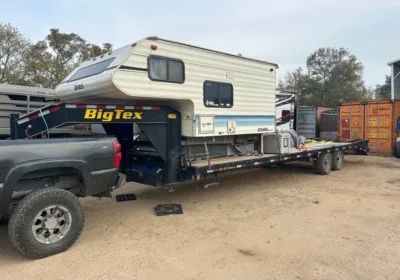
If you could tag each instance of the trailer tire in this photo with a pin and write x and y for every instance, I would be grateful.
(398, 147)
(46, 222)
(337, 160)
(324, 163)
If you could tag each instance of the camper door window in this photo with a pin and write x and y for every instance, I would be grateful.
(165, 69)
(218, 95)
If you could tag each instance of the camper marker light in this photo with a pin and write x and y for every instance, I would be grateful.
(133, 45)
(153, 47)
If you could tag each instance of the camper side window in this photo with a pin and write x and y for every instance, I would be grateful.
(165, 69)
(218, 95)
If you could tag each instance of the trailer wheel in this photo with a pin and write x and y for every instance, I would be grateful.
(337, 160)
(324, 163)
(46, 222)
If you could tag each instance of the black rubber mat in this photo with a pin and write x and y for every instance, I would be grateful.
(125, 197)
(168, 209)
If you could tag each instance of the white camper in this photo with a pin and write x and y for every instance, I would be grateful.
(217, 94)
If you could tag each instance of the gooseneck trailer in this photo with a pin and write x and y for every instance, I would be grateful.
(157, 157)
(180, 112)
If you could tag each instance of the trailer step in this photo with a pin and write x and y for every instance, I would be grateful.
(168, 209)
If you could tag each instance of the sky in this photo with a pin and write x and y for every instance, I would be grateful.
(280, 31)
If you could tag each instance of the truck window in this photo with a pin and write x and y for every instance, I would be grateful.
(91, 70)
(165, 69)
(285, 116)
(218, 94)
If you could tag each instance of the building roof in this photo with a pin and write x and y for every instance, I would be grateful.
(397, 62)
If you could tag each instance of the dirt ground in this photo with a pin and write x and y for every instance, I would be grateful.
(276, 223)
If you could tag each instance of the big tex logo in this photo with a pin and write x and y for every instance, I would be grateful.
(108, 116)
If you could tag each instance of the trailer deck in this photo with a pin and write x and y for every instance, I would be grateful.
(241, 162)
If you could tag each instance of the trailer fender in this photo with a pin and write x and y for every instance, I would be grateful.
(20, 170)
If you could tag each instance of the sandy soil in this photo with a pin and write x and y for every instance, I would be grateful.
(276, 223)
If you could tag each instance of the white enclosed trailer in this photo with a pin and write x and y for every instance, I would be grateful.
(16, 99)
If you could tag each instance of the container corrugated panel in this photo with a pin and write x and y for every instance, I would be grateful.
(351, 121)
(329, 120)
(306, 121)
(379, 126)
(328, 127)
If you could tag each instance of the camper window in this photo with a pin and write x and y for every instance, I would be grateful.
(91, 70)
(165, 69)
(218, 94)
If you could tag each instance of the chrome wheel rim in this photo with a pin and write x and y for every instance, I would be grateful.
(51, 224)
(326, 163)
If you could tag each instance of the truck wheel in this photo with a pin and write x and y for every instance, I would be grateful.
(324, 163)
(337, 160)
(46, 222)
(398, 148)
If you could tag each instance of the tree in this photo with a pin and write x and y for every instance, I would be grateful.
(12, 48)
(384, 91)
(332, 75)
(49, 61)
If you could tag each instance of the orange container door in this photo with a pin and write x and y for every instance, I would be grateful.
(378, 126)
(351, 121)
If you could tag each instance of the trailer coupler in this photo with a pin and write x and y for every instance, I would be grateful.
(215, 182)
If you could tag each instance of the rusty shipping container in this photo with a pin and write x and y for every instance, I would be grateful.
(372, 120)
(379, 126)
(351, 121)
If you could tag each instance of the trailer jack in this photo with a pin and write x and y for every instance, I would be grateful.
(215, 182)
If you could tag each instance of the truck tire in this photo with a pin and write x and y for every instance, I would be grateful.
(337, 160)
(46, 222)
(398, 148)
(324, 163)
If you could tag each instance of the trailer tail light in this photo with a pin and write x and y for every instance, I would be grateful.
(117, 154)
